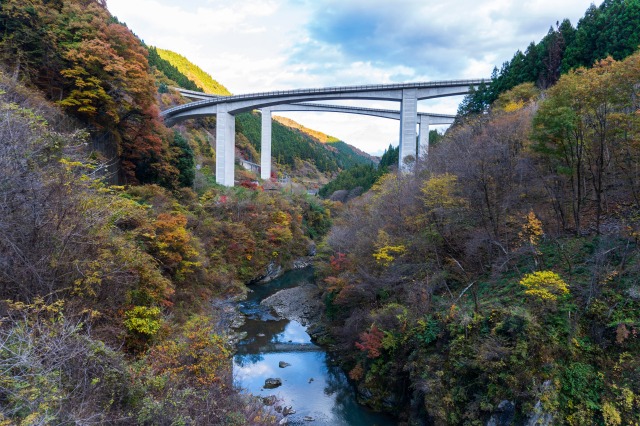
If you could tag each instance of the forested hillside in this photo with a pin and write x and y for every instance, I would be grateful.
(611, 29)
(170, 71)
(500, 282)
(115, 299)
(193, 73)
(321, 137)
(351, 155)
(95, 68)
(292, 148)
(362, 176)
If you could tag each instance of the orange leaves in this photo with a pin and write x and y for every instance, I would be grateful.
(104, 79)
(338, 262)
(335, 284)
(356, 372)
(198, 356)
(371, 342)
(111, 54)
(172, 244)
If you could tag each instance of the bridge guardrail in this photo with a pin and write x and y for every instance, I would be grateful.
(336, 89)
(353, 108)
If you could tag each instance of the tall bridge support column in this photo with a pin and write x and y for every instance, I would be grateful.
(265, 144)
(225, 146)
(408, 123)
(423, 139)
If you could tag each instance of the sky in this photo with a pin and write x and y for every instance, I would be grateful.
(263, 45)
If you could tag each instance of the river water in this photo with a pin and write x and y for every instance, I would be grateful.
(311, 385)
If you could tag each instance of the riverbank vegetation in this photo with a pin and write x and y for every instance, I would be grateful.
(502, 277)
(504, 274)
(116, 299)
(88, 268)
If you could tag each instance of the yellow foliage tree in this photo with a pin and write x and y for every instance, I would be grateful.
(384, 255)
(439, 192)
(517, 98)
(197, 356)
(531, 230)
(545, 285)
(173, 244)
(443, 204)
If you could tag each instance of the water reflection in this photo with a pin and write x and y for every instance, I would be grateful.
(244, 360)
(310, 384)
(294, 332)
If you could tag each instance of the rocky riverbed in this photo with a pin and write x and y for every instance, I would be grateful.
(302, 304)
(278, 361)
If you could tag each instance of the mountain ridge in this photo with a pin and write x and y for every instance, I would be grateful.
(194, 73)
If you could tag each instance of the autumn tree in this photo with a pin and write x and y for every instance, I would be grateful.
(582, 125)
(97, 69)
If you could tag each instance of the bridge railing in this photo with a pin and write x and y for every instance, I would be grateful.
(337, 89)
(355, 108)
(191, 92)
(363, 88)
(188, 106)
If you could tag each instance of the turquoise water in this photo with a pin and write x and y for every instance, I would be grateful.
(311, 385)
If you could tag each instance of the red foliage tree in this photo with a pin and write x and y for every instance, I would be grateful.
(371, 342)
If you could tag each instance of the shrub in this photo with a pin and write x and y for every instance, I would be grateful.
(546, 285)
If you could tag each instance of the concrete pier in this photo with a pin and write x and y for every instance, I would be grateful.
(408, 124)
(265, 144)
(423, 138)
(225, 147)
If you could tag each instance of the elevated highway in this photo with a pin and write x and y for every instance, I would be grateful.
(424, 120)
(225, 107)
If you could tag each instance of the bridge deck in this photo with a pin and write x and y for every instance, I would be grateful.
(214, 100)
(226, 107)
(339, 108)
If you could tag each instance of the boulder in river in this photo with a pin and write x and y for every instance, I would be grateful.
(269, 400)
(272, 383)
(301, 303)
(288, 410)
(272, 272)
(283, 364)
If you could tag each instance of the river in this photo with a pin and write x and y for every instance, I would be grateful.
(314, 387)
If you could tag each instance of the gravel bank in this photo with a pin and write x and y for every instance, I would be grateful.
(302, 303)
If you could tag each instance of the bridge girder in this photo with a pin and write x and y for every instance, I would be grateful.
(225, 108)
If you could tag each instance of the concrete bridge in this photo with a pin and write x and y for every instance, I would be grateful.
(424, 120)
(225, 107)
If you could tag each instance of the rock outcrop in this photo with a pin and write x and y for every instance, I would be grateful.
(272, 383)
